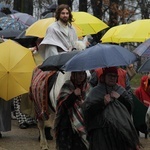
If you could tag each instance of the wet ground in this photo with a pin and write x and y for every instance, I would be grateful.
(27, 139)
(22, 139)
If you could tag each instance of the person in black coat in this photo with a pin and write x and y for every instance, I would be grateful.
(107, 115)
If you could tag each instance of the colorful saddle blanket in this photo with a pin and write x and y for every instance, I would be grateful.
(41, 83)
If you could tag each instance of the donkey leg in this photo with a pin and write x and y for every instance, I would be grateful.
(43, 141)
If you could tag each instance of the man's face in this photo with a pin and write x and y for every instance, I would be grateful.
(111, 79)
(64, 16)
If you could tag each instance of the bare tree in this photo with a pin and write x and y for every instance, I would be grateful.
(40, 6)
(113, 13)
(83, 5)
(145, 8)
(97, 8)
(68, 2)
(21, 6)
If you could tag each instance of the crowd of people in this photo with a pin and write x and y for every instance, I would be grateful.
(91, 114)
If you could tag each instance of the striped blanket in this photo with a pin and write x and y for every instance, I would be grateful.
(39, 92)
(75, 112)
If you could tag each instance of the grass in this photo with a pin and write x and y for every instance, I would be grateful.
(135, 81)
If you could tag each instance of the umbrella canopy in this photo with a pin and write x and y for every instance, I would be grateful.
(49, 15)
(16, 66)
(26, 41)
(39, 28)
(24, 18)
(100, 56)
(10, 23)
(89, 23)
(145, 67)
(137, 31)
(57, 61)
(9, 33)
(109, 36)
(143, 49)
(2, 14)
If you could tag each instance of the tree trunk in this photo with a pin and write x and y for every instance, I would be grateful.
(83, 5)
(97, 12)
(68, 2)
(113, 14)
(97, 8)
(25, 6)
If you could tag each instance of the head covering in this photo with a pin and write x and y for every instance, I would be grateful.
(73, 78)
(110, 70)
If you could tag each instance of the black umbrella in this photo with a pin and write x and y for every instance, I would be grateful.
(24, 18)
(9, 33)
(2, 14)
(143, 49)
(49, 15)
(100, 56)
(145, 67)
(26, 41)
(10, 23)
(55, 62)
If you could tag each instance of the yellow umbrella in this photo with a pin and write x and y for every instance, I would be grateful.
(137, 31)
(39, 28)
(110, 35)
(88, 23)
(16, 66)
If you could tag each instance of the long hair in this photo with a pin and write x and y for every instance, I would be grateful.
(59, 10)
(73, 78)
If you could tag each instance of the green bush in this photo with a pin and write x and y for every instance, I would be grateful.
(135, 81)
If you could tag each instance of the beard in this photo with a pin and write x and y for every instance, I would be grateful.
(64, 20)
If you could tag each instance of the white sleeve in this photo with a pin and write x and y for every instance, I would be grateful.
(49, 50)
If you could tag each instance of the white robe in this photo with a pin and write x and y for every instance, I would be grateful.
(56, 36)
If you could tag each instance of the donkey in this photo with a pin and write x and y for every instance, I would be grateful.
(51, 83)
(44, 89)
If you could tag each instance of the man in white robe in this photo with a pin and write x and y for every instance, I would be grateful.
(61, 35)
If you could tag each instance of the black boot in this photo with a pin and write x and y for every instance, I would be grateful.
(48, 133)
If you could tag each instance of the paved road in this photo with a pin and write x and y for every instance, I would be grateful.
(22, 139)
(27, 139)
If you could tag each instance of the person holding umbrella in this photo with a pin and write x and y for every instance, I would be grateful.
(123, 78)
(107, 114)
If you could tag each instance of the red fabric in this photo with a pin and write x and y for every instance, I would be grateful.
(143, 92)
(39, 92)
(121, 75)
(110, 70)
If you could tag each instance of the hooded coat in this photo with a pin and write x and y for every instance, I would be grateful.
(69, 124)
(143, 91)
(109, 127)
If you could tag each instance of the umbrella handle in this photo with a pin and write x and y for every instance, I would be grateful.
(61, 71)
